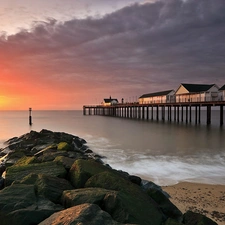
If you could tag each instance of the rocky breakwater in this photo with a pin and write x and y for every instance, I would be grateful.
(54, 178)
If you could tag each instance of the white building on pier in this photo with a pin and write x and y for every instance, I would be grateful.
(157, 97)
(197, 93)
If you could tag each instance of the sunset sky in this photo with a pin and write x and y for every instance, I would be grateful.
(58, 54)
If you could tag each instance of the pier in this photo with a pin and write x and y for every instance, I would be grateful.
(177, 112)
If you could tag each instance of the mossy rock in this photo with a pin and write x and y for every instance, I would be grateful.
(84, 195)
(65, 161)
(191, 218)
(30, 179)
(50, 147)
(82, 170)
(64, 146)
(13, 157)
(16, 197)
(48, 186)
(14, 173)
(52, 187)
(81, 214)
(167, 207)
(19, 205)
(172, 222)
(26, 160)
(133, 201)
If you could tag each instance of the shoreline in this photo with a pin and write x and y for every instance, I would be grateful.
(207, 199)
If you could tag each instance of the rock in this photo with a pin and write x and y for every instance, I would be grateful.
(88, 151)
(84, 214)
(51, 155)
(167, 207)
(26, 160)
(82, 170)
(19, 172)
(13, 157)
(2, 183)
(2, 169)
(19, 204)
(67, 162)
(172, 222)
(64, 146)
(135, 179)
(48, 148)
(48, 186)
(191, 218)
(149, 185)
(84, 195)
(133, 202)
(52, 187)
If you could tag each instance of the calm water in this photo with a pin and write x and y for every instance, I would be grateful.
(163, 152)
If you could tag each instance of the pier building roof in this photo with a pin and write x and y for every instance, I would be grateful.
(222, 88)
(109, 100)
(161, 93)
(196, 88)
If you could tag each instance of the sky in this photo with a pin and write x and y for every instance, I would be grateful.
(65, 54)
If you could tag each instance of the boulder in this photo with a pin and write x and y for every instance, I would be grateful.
(167, 207)
(47, 148)
(132, 206)
(64, 146)
(170, 221)
(67, 162)
(19, 204)
(192, 218)
(52, 187)
(19, 172)
(82, 170)
(26, 160)
(84, 214)
(48, 186)
(84, 195)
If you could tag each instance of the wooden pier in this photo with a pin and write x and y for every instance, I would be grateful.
(178, 112)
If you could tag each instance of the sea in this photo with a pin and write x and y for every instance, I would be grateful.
(163, 152)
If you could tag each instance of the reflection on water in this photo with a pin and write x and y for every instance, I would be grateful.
(161, 151)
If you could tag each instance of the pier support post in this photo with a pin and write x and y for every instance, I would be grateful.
(199, 114)
(143, 112)
(190, 117)
(175, 113)
(221, 115)
(182, 113)
(186, 114)
(208, 114)
(157, 112)
(196, 114)
(163, 113)
(147, 113)
(170, 113)
(152, 112)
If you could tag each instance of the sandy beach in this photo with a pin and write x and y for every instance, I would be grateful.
(203, 198)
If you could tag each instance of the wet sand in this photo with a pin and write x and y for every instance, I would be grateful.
(203, 198)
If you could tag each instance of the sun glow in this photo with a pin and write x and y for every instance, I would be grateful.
(4, 102)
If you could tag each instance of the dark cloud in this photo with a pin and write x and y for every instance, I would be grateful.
(138, 49)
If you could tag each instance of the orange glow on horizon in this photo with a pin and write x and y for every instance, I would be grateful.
(4, 102)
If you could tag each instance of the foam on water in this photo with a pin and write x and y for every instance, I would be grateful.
(164, 169)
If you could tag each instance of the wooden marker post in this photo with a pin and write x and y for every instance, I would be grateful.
(30, 117)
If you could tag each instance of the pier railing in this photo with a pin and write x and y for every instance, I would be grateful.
(176, 111)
